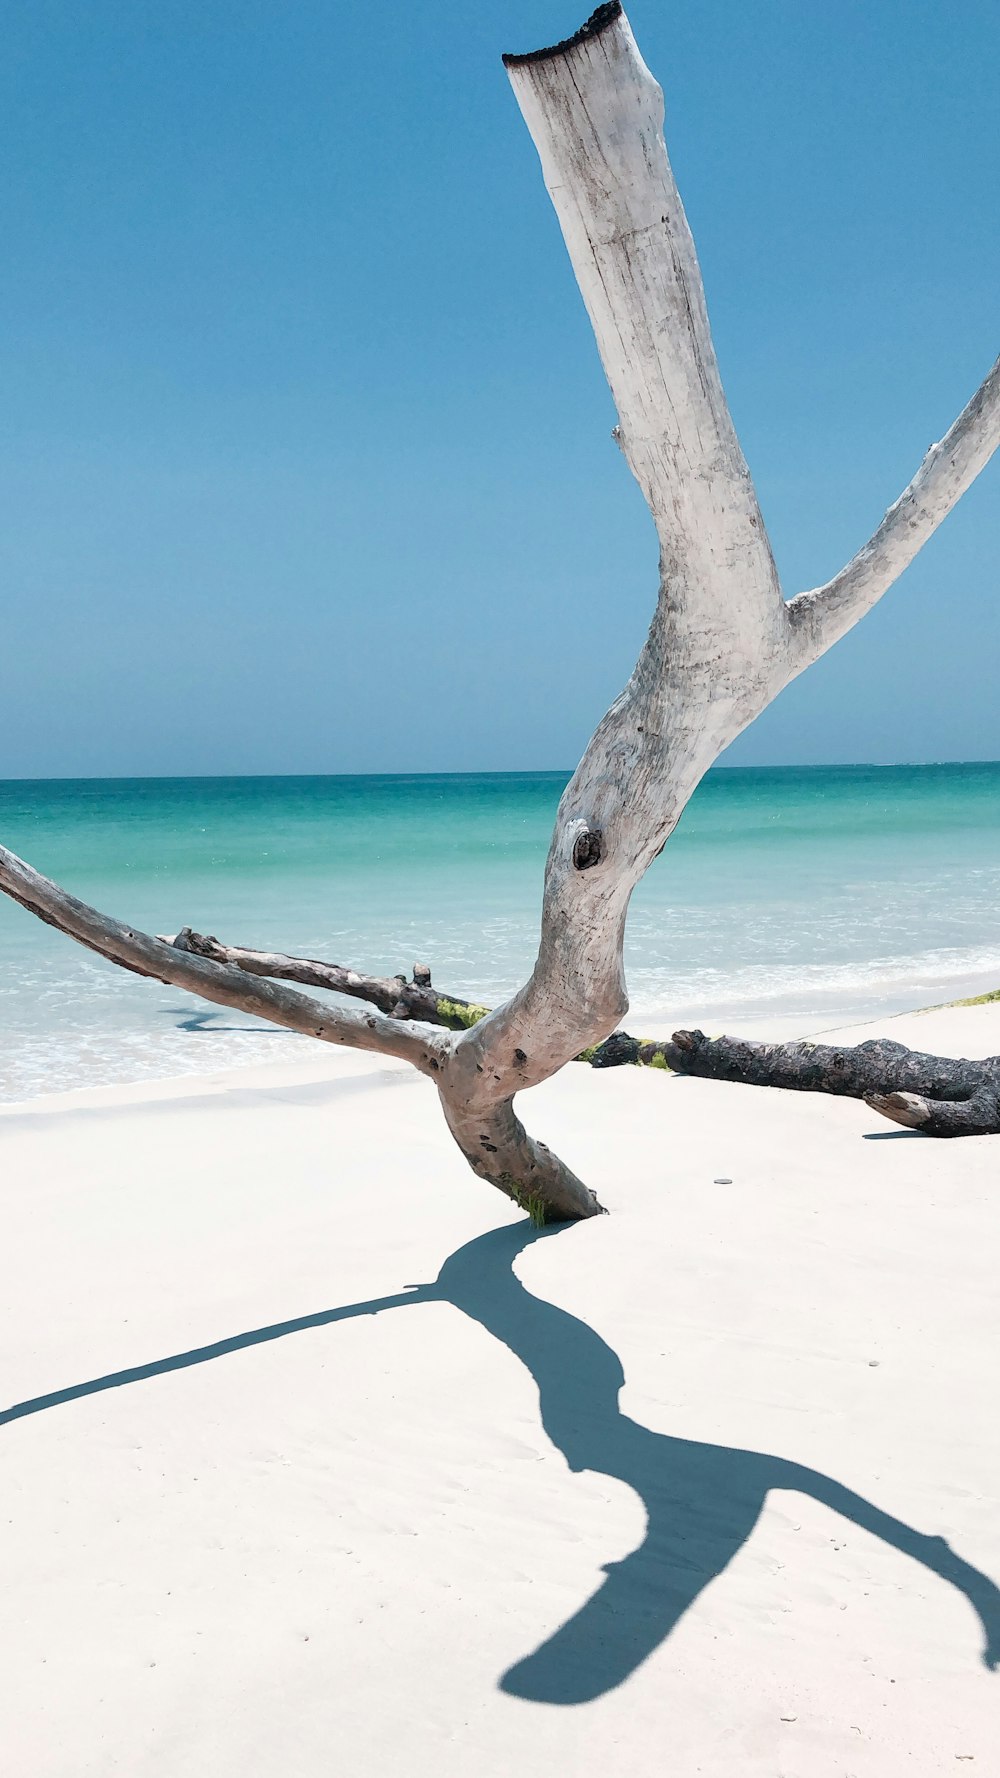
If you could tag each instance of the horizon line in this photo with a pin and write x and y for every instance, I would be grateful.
(506, 772)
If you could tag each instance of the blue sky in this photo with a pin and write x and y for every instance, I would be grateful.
(305, 444)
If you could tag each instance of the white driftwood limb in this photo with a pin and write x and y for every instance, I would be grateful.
(223, 984)
(819, 618)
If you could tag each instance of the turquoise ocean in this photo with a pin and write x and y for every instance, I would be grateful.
(819, 895)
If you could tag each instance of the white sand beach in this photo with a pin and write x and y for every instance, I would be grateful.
(254, 1523)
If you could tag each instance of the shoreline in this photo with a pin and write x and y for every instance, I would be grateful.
(974, 1023)
(810, 898)
(777, 1027)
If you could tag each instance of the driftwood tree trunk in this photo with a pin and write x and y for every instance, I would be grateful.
(722, 644)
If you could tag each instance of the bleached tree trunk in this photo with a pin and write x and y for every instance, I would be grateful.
(722, 643)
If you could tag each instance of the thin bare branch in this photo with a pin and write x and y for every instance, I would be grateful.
(393, 995)
(820, 617)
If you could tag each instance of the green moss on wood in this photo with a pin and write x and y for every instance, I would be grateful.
(459, 1015)
(656, 1060)
(530, 1202)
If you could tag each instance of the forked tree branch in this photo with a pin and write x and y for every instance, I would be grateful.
(717, 646)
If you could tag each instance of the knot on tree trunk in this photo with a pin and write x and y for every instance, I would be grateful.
(587, 849)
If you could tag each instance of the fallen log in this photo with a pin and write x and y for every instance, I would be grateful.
(940, 1095)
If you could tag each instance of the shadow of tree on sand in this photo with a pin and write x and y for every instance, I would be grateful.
(207, 1022)
(701, 1500)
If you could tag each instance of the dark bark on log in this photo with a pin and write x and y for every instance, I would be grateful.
(940, 1095)
(878, 1065)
